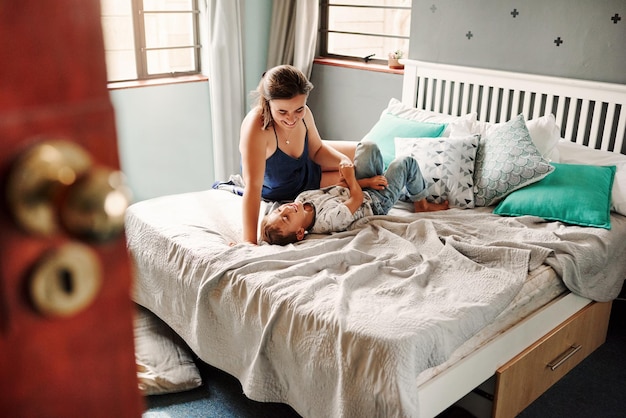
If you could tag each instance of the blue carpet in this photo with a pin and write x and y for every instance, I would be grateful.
(220, 396)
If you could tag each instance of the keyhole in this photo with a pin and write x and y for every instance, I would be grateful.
(66, 281)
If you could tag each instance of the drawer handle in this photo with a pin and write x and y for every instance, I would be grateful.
(553, 365)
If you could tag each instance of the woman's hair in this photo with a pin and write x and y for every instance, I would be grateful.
(281, 82)
(272, 234)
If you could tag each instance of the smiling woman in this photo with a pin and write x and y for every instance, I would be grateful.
(280, 162)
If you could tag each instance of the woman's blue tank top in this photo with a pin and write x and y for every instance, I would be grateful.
(286, 177)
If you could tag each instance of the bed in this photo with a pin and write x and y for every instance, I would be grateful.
(405, 314)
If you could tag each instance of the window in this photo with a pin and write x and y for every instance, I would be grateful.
(356, 29)
(150, 38)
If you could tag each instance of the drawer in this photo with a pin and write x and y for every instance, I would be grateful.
(525, 377)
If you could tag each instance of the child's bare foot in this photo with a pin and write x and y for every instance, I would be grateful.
(426, 206)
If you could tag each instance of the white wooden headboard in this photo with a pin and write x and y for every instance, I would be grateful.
(589, 113)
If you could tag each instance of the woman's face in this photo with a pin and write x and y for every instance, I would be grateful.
(288, 112)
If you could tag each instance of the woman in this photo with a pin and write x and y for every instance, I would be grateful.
(281, 150)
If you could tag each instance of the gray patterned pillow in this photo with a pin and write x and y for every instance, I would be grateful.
(507, 160)
(447, 165)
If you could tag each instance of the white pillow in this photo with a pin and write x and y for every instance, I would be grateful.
(572, 153)
(507, 160)
(164, 362)
(447, 165)
(397, 108)
(544, 132)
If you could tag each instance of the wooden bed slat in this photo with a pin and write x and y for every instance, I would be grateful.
(608, 127)
(582, 117)
(465, 99)
(621, 131)
(456, 92)
(595, 135)
(493, 104)
(569, 124)
(506, 99)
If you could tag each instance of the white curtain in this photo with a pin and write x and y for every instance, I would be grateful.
(226, 85)
(294, 34)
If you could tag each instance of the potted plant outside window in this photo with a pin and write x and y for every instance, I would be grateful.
(393, 60)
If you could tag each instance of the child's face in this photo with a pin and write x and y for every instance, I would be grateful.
(290, 218)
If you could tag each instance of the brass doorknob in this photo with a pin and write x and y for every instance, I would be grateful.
(36, 180)
(54, 184)
(95, 206)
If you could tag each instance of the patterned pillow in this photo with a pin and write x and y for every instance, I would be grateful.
(507, 160)
(447, 165)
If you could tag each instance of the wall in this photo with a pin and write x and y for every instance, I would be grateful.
(346, 102)
(164, 132)
(567, 38)
(256, 34)
(164, 138)
(161, 155)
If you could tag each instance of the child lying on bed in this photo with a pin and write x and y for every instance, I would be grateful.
(334, 208)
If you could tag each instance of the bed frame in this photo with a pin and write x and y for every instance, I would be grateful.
(589, 113)
(496, 96)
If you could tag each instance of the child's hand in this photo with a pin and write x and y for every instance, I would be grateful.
(376, 182)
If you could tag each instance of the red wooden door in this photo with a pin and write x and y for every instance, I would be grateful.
(78, 361)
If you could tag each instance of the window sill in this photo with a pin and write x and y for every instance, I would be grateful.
(118, 85)
(357, 65)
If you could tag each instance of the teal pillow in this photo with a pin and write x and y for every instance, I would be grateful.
(389, 127)
(573, 193)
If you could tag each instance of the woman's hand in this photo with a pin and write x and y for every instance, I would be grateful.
(346, 170)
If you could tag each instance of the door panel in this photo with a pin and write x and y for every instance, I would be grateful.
(53, 87)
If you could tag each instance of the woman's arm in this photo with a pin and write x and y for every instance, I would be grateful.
(252, 148)
(347, 148)
(319, 151)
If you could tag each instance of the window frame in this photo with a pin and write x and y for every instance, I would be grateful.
(324, 31)
(141, 50)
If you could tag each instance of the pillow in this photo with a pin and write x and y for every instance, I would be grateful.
(573, 153)
(447, 165)
(389, 126)
(506, 160)
(545, 135)
(397, 108)
(544, 132)
(164, 362)
(574, 193)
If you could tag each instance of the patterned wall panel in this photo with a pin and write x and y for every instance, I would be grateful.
(583, 39)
